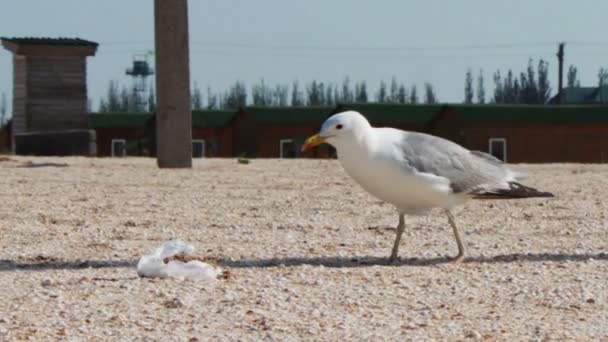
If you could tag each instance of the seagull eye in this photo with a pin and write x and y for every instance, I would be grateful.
(339, 126)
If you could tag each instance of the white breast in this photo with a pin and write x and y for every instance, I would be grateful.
(380, 173)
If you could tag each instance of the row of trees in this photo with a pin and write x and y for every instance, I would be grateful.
(530, 86)
(126, 99)
(315, 93)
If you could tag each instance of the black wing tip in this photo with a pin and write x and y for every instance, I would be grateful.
(516, 190)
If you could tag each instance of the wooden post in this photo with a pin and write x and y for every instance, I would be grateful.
(173, 110)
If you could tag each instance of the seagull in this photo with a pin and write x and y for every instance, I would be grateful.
(415, 171)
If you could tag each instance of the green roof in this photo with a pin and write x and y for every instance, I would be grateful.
(48, 41)
(289, 115)
(118, 119)
(375, 113)
(583, 95)
(213, 118)
(380, 114)
(586, 94)
(389, 113)
(199, 119)
(531, 113)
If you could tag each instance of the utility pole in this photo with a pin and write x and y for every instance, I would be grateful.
(560, 76)
(173, 111)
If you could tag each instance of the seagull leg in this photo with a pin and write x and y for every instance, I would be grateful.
(400, 229)
(460, 255)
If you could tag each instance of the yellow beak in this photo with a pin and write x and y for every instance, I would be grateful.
(312, 142)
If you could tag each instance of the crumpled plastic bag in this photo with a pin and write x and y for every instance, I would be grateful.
(153, 265)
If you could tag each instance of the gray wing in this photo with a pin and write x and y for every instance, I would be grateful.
(468, 171)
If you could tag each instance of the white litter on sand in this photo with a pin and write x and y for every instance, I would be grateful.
(162, 263)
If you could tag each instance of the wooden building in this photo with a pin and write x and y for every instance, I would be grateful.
(133, 134)
(513, 133)
(278, 132)
(49, 88)
(529, 133)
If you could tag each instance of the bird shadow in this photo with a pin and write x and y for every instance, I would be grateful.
(47, 263)
(31, 164)
(366, 261)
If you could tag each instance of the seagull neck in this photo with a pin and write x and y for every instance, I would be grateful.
(366, 138)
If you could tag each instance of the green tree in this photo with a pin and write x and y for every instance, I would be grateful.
(510, 94)
(321, 92)
(280, 95)
(402, 94)
(413, 95)
(429, 94)
(516, 92)
(394, 91)
(313, 96)
(297, 98)
(468, 87)
(602, 77)
(196, 97)
(347, 94)
(381, 97)
(572, 77)
(212, 100)
(151, 99)
(481, 90)
(521, 90)
(126, 104)
(261, 94)
(112, 102)
(499, 94)
(235, 97)
(543, 88)
(531, 95)
(330, 95)
(361, 92)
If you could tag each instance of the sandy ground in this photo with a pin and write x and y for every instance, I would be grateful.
(306, 249)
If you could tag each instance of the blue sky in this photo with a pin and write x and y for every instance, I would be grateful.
(416, 41)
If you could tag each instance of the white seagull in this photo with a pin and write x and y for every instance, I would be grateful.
(415, 171)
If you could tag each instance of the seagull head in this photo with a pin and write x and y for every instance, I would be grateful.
(344, 127)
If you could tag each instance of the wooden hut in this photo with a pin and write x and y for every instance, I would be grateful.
(49, 94)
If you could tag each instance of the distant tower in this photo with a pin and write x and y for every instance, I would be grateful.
(140, 72)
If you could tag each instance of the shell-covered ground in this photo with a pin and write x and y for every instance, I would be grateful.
(306, 252)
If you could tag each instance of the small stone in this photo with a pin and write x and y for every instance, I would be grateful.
(590, 301)
(46, 282)
(174, 303)
(83, 280)
(473, 334)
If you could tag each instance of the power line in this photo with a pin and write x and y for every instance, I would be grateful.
(239, 45)
(374, 48)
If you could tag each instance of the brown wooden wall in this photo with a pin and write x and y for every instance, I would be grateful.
(50, 93)
(57, 92)
(543, 143)
(218, 141)
(136, 140)
(270, 135)
(5, 139)
(19, 94)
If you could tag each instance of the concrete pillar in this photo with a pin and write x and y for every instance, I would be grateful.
(173, 112)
